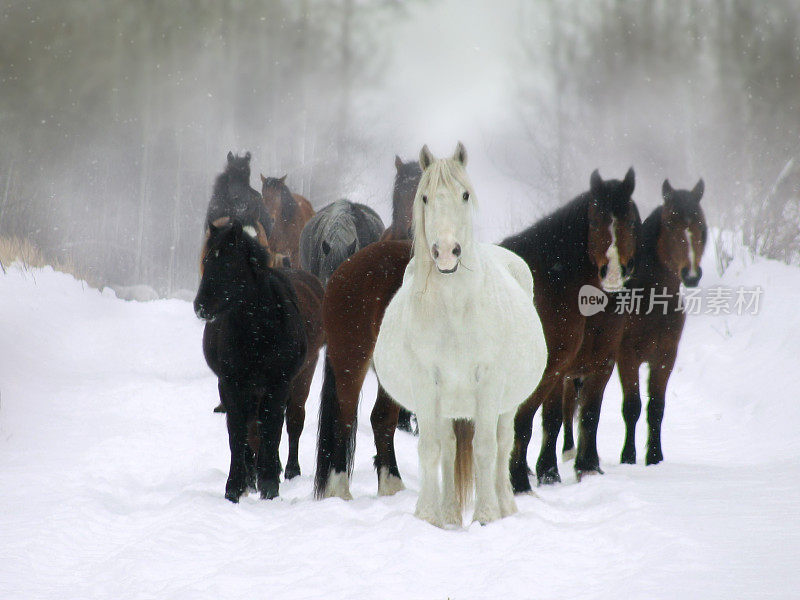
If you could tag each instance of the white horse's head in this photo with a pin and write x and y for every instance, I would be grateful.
(442, 215)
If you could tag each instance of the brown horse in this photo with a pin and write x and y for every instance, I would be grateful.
(289, 213)
(356, 296)
(310, 297)
(590, 241)
(406, 181)
(672, 243)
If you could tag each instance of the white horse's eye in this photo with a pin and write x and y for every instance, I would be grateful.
(424, 199)
(465, 195)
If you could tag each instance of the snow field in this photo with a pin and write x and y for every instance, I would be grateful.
(113, 467)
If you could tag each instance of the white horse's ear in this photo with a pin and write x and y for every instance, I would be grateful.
(460, 155)
(426, 157)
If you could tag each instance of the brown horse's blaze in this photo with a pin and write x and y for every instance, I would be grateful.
(683, 232)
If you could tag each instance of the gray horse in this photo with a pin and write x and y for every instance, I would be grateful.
(335, 233)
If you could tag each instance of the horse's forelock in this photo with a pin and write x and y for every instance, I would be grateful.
(240, 166)
(619, 206)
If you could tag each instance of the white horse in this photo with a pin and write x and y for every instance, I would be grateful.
(460, 344)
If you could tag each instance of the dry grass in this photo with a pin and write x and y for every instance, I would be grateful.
(14, 250)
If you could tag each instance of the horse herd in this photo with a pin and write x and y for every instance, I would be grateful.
(472, 338)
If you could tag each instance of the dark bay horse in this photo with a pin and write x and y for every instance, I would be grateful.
(671, 246)
(232, 196)
(406, 181)
(589, 241)
(255, 343)
(355, 299)
(309, 296)
(289, 213)
(337, 231)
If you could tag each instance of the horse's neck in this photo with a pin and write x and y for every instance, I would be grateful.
(401, 219)
(655, 274)
(261, 301)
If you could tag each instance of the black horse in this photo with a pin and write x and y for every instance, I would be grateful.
(234, 198)
(255, 343)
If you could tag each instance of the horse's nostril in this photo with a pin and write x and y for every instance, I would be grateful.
(457, 250)
(603, 271)
(435, 251)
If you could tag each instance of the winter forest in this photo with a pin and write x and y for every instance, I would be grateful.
(116, 116)
(145, 289)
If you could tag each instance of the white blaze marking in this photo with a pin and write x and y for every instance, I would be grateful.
(613, 282)
(250, 230)
(692, 270)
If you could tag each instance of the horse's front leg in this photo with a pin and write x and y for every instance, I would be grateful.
(487, 506)
(384, 423)
(451, 509)
(235, 402)
(657, 390)
(505, 443)
(587, 461)
(270, 420)
(429, 448)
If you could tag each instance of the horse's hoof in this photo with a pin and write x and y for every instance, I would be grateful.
(486, 515)
(569, 455)
(432, 518)
(520, 482)
(219, 408)
(338, 486)
(291, 472)
(389, 483)
(234, 491)
(508, 508)
(268, 488)
(581, 473)
(549, 477)
(628, 458)
(653, 458)
(452, 517)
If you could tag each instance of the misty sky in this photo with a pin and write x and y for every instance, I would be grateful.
(117, 116)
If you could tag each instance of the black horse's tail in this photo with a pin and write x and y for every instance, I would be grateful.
(330, 444)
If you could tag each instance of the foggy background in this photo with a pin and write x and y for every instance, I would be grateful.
(116, 115)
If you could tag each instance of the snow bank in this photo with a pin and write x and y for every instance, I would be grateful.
(113, 467)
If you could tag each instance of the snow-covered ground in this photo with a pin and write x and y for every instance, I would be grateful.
(113, 467)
